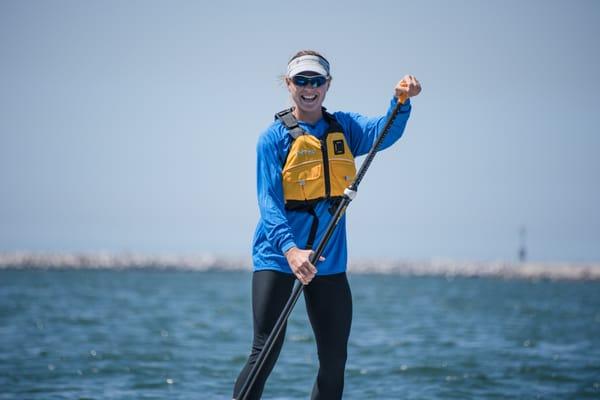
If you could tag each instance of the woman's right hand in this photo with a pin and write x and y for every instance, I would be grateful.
(300, 264)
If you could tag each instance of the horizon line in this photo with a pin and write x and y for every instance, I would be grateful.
(210, 262)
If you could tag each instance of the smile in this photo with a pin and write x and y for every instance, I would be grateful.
(309, 98)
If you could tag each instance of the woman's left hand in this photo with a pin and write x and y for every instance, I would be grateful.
(408, 86)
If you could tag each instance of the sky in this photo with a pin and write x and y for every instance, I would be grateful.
(131, 126)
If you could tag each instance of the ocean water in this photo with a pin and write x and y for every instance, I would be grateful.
(169, 334)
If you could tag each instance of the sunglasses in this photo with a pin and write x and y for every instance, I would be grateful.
(313, 81)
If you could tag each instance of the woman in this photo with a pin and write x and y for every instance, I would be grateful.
(304, 161)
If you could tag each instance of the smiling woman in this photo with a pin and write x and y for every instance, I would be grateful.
(305, 160)
(308, 80)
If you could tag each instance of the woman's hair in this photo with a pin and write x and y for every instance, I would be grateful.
(308, 53)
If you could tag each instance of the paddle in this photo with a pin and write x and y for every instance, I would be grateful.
(349, 195)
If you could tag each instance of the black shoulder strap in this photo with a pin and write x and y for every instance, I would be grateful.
(334, 126)
(290, 122)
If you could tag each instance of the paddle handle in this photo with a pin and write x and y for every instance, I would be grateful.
(402, 99)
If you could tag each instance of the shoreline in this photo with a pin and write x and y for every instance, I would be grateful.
(209, 262)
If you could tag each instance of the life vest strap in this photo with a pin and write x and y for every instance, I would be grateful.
(313, 228)
(290, 122)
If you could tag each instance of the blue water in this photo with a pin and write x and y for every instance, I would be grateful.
(152, 334)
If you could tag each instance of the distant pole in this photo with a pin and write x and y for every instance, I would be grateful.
(522, 246)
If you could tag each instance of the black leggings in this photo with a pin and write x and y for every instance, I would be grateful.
(329, 306)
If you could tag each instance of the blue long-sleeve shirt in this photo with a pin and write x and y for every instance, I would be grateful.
(279, 229)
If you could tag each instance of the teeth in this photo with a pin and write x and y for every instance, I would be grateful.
(309, 98)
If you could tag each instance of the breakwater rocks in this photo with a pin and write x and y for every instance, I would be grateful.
(207, 262)
(105, 260)
(497, 269)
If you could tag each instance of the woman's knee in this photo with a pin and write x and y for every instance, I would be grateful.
(333, 359)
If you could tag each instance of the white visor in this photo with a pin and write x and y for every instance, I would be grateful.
(308, 63)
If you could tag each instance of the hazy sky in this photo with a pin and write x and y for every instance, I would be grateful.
(131, 125)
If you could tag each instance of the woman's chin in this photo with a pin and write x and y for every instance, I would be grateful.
(310, 107)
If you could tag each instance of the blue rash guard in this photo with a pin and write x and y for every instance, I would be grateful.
(278, 229)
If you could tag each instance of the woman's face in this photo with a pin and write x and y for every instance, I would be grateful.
(307, 98)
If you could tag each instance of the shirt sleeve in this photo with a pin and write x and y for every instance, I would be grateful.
(270, 194)
(363, 131)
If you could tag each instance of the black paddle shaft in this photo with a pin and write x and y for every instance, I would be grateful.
(349, 194)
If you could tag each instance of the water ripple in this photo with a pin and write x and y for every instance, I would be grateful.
(150, 334)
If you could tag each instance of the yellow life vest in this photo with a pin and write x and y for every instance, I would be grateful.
(315, 169)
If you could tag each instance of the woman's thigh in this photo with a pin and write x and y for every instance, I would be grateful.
(270, 292)
(329, 305)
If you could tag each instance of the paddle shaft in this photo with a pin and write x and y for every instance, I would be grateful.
(316, 254)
